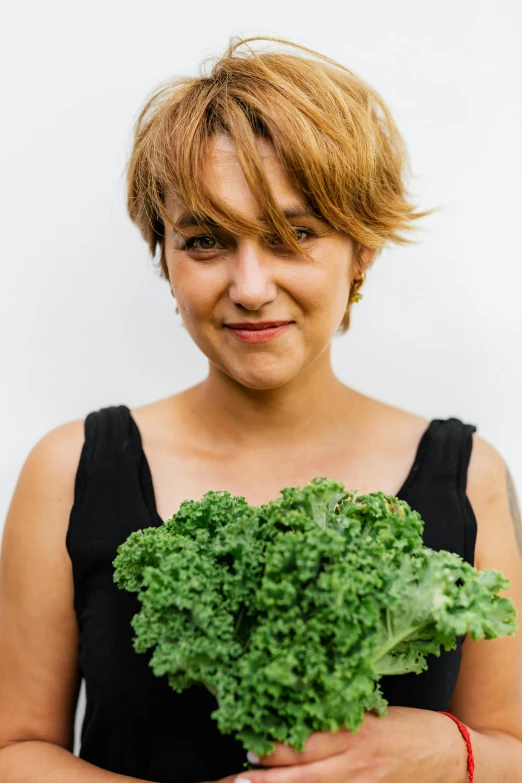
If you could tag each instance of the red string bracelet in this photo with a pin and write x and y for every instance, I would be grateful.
(465, 733)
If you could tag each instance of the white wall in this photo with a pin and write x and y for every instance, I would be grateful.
(85, 320)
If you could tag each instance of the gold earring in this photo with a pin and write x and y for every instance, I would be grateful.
(356, 296)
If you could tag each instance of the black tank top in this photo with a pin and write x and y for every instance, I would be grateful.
(134, 723)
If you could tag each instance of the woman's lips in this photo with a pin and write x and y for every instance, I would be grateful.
(258, 335)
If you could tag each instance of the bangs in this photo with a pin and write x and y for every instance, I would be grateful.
(178, 167)
(334, 136)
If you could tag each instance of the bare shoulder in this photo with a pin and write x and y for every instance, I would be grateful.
(52, 462)
(487, 471)
(44, 493)
(492, 493)
(61, 443)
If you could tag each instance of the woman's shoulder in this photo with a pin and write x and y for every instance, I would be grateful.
(43, 496)
(493, 496)
(51, 465)
(58, 451)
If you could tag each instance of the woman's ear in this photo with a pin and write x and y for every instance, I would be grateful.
(364, 259)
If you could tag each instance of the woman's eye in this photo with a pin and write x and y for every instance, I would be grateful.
(306, 231)
(208, 242)
(204, 238)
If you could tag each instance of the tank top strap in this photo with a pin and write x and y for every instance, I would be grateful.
(438, 487)
(113, 493)
(449, 452)
(112, 441)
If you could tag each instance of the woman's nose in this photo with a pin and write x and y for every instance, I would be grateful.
(252, 281)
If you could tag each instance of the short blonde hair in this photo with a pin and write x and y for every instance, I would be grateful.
(333, 133)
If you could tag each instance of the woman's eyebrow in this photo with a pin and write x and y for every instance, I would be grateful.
(189, 219)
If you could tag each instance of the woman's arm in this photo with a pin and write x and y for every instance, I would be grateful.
(43, 762)
(488, 696)
(39, 679)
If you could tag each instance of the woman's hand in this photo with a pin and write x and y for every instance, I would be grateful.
(405, 746)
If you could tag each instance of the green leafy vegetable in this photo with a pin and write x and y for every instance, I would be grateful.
(290, 612)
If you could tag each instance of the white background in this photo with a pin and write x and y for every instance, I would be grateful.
(85, 319)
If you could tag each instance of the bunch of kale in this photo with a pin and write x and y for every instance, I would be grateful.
(290, 612)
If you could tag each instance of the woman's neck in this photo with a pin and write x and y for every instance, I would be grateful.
(308, 410)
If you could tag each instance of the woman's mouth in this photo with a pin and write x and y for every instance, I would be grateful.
(258, 335)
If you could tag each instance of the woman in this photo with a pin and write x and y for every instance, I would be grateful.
(269, 186)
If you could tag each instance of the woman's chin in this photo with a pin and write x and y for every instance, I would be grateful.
(263, 378)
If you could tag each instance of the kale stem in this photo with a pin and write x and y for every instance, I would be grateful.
(394, 640)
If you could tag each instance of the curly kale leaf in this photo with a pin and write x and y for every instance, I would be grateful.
(290, 612)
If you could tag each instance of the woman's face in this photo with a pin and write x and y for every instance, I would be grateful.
(222, 279)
